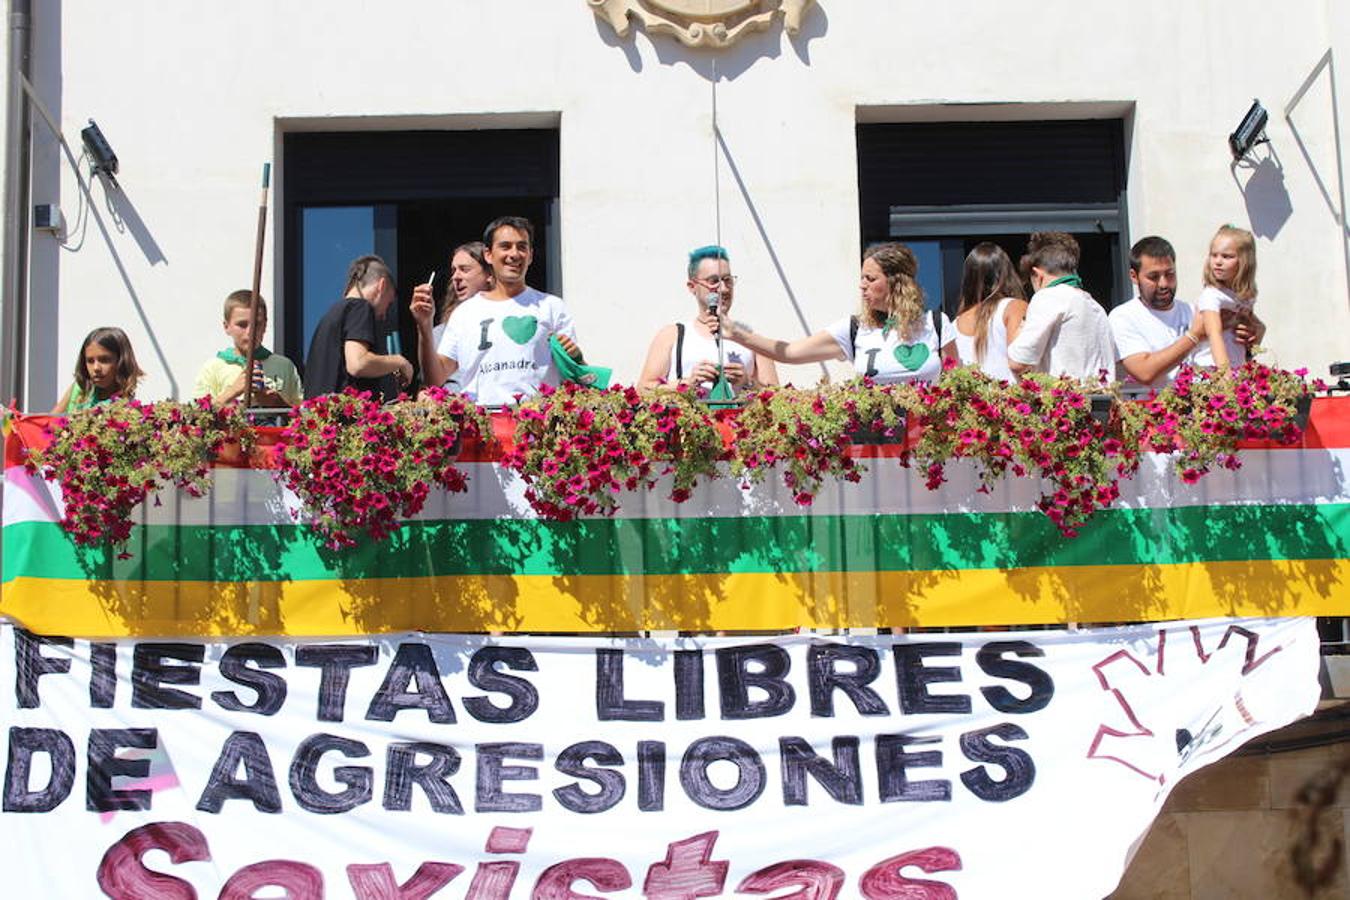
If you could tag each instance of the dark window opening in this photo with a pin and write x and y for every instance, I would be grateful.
(410, 197)
(941, 188)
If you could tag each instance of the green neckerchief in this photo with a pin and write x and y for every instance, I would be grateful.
(571, 370)
(887, 324)
(1070, 280)
(235, 358)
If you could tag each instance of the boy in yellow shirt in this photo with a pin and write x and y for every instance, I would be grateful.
(276, 382)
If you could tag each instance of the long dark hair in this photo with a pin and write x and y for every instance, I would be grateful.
(114, 340)
(988, 277)
(448, 302)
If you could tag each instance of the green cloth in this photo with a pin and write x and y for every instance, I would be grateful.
(235, 358)
(1070, 280)
(722, 389)
(571, 370)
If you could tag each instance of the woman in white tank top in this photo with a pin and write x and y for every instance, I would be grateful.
(993, 306)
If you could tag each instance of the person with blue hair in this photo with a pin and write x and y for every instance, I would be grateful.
(686, 352)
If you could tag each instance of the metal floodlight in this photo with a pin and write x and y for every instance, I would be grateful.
(100, 151)
(1341, 372)
(1250, 131)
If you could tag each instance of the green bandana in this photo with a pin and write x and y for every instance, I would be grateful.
(1070, 280)
(571, 370)
(235, 358)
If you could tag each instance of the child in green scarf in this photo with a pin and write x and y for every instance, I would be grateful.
(276, 382)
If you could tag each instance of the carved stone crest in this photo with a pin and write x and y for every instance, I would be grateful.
(701, 23)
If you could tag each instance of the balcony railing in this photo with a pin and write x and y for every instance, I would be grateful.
(1268, 539)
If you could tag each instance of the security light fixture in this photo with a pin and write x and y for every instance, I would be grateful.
(1250, 131)
(99, 150)
(1341, 372)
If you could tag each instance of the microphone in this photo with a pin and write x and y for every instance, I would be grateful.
(713, 301)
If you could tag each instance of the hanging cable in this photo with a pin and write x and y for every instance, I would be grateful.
(717, 174)
(721, 389)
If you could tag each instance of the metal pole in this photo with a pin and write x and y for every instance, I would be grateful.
(14, 299)
(1327, 62)
(717, 224)
(257, 284)
(14, 296)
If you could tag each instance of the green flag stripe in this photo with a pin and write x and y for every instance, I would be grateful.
(802, 543)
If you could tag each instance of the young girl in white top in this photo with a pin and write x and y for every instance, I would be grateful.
(1228, 298)
(993, 306)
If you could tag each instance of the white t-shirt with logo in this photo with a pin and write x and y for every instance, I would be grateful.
(1139, 328)
(887, 357)
(502, 346)
(1066, 332)
(1222, 300)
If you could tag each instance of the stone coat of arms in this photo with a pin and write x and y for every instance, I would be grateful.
(701, 23)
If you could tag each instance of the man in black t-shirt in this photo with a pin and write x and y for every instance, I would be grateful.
(342, 352)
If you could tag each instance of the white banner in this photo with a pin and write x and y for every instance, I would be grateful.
(924, 766)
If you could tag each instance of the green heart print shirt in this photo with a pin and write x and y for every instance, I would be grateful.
(502, 347)
(888, 357)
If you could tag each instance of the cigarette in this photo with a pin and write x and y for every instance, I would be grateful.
(431, 279)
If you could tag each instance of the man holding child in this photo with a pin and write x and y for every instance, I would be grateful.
(1155, 332)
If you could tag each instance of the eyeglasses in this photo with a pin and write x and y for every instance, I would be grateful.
(717, 281)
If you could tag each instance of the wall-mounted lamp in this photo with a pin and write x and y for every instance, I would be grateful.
(1250, 131)
(100, 151)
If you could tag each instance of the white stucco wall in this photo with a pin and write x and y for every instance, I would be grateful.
(193, 96)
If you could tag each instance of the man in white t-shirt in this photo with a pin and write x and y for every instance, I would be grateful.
(497, 342)
(1066, 332)
(1154, 332)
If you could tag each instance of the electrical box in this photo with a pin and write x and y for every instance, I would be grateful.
(48, 217)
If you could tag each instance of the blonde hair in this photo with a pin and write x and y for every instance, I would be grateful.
(905, 301)
(1244, 281)
(243, 299)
